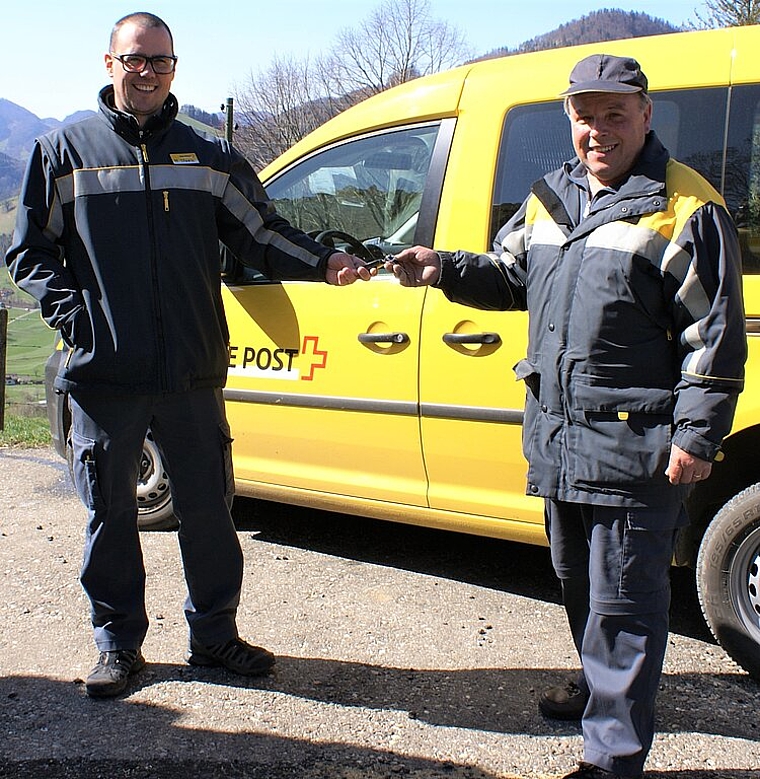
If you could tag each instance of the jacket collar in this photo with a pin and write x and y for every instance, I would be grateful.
(644, 191)
(126, 125)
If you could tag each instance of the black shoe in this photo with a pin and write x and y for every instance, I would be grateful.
(235, 655)
(589, 771)
(110, 675)
(566, 702)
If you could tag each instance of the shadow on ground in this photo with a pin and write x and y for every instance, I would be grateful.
(103, 732)
(519, 569)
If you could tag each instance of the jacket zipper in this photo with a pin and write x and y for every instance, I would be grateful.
(160, 340)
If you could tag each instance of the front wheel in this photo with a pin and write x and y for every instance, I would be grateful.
(728, 578)
(154, 498)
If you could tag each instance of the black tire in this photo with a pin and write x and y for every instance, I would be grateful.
(154, 499)
(728, 578)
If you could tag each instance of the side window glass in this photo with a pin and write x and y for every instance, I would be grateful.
(536, 139)
(742, 189)
(369, 188)
(700, 144)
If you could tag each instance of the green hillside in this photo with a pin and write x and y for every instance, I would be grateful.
(29, 343)
(8, 289)
(5, 282)
(7, 216)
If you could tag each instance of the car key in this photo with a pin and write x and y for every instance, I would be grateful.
(378, 261)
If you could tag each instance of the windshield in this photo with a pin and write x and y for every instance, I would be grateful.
(370, 188)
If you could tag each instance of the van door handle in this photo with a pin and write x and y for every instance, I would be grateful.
(383, 338)
(471, 338)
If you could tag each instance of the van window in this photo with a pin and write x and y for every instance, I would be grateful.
(369, 187)
(742, 177)
(692, 125)
(536, 139)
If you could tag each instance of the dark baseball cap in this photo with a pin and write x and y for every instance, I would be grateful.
(605, 73)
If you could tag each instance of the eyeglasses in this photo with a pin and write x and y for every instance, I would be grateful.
(162, 64)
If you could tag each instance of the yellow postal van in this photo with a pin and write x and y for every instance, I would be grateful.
(397, 404)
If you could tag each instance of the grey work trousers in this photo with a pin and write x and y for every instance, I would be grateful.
(614, 567)
(192, 434)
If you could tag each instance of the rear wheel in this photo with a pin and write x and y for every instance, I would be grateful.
(728, 578)
(154, 498)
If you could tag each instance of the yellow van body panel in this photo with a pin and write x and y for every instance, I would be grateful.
(420, 431)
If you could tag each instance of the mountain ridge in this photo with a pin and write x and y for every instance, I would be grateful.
(605, 24)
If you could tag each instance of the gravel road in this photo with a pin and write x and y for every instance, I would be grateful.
(402, 652)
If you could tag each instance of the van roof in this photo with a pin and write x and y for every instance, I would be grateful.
(674, 61)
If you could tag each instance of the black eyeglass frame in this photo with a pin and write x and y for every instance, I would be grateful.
(147, 61)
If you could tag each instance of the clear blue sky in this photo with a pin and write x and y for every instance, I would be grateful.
(51, 54)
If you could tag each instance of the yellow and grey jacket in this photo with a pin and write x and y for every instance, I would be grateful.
(637, 330)
(118, 235)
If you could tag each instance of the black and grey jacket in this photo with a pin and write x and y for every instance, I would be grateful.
(118, 235)
(637, 329)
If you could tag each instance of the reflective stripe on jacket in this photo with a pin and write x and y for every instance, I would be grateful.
(118, 235)
(637, 331)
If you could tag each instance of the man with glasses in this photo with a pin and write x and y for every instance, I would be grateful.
(119, 225)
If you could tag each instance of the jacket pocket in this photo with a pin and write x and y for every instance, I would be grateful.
(85, 471)
(620, 437)
(596, 397)
(526, 371)
(77, 330)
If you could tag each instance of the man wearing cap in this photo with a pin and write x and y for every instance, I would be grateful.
(629, 265)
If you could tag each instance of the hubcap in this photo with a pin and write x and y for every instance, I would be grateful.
(744, 581)
(153, 483)
(753, 583)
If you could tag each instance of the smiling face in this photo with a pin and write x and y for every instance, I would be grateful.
(609, 131)
(140, 94)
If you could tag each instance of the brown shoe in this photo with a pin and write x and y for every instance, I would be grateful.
(111, 673)
(565, 702)
(235, 655)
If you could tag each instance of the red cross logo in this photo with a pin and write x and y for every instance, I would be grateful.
(310, 343)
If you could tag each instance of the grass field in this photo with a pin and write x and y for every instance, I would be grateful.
(30, 340)
(7, 216)
(29, 344)
(26, 432)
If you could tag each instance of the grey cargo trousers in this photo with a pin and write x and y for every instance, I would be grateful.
(614, 566)
(192, 434)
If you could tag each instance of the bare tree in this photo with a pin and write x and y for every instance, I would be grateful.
(277, 107)
(729, 13)
(399, 41)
